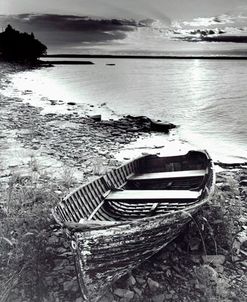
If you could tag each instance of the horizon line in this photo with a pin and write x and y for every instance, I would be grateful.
(112, 56)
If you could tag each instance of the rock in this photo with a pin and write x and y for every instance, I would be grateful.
(168, 296)
(206, 274)
(194, 244)
(121, 140)
(124, 293)
(49, 281)
(131, 280)
(244, 264)
(53, 102)
(96, 117)
(27, 92)
(143, 123)
(153, 285)
(137, 291)
(214, 259)
(195, 259)
(160, 126)
(53, 239)
(243, 183)
(140, 280)
(158, 298)
(219, 269)
(107, 298)
(68, 285)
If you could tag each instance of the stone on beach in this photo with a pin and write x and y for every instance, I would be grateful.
(96, 118)
(124, 293)
(153, 285)
(214, 259)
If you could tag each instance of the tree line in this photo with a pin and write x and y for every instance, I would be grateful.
(17, 46)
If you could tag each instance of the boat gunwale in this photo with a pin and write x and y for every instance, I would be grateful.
(84, 227)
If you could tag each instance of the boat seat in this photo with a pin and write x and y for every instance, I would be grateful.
(153, 195)
(165, 175)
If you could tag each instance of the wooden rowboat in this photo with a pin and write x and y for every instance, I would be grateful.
(124, 217)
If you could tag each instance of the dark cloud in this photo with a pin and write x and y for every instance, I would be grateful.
(74, 23)
(233, 39)
(70, 29)
(213, 38)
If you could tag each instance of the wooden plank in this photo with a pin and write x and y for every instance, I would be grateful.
(174, 174)
(153, 194)
(97, 208)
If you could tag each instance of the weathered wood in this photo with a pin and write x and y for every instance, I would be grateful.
(165, 175)
(98, 207)
(153, 195)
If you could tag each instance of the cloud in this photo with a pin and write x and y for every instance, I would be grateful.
(221, 28)
(226, 38)
(70, 29)
(212, 36)
(209, 21)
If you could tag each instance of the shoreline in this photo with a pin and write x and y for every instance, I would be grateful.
(48, 135)
(60, 141)
(68, 105)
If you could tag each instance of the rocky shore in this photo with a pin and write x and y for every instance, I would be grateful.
(43, 156)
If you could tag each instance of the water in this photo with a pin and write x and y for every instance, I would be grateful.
(207, 98)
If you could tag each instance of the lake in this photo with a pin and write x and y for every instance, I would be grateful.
(206, 98)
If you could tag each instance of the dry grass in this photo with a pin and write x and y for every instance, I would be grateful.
(24, 229)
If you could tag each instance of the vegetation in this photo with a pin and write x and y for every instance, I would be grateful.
(17, 46)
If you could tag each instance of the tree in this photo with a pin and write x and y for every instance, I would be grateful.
(18, 46)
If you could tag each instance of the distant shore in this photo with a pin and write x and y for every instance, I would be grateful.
(177, 57)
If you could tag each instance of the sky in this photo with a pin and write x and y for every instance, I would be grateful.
(176, 24)
(177, 9)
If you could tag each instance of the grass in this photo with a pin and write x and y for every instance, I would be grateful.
(24, 229)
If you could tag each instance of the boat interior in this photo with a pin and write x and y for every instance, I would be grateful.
(147, 186)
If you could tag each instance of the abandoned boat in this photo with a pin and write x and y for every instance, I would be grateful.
(124, 217)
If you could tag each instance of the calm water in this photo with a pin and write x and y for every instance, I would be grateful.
(207, 98)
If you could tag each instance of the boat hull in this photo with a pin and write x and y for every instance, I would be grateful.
(103, 256)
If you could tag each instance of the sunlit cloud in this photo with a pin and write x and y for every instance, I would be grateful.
(210, 21)
(222, 28)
